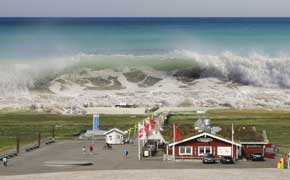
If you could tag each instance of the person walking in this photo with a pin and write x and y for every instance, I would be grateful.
(84, 149)
(5, 161)
(91, 148)
(126, 152)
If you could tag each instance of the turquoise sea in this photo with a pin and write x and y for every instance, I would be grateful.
(38, 37)
(249, 50)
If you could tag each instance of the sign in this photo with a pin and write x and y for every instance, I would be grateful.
(224, 151)
(96, 122)
(204, 139)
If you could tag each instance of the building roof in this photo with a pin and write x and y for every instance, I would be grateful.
(116, 130)
(250, 143)
(201, 135)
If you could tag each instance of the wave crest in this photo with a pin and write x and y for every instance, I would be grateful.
(256, 70)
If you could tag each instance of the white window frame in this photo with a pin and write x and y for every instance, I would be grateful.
(185, 152)
(222, 149)
(118, 136)
(204, 150)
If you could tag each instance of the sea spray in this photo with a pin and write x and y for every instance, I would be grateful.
(18, 78)
(254, 70)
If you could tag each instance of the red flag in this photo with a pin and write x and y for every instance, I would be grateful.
(177, 133)
(147, 127)
(141, 132)
(152, 122)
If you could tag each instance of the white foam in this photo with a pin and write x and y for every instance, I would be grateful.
(256, 70)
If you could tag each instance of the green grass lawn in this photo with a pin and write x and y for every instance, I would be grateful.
(26, 125)
(275, 122)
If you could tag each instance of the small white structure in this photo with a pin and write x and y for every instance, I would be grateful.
(114, 136)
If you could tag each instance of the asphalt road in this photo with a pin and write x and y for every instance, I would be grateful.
(35, 161)
(159, 174)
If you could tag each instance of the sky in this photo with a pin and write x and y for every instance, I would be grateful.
(144, 8)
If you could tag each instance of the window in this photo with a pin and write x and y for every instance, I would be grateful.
(207, 150)
(200, 150)
(185, 150)
(110, 138)
(204, 149)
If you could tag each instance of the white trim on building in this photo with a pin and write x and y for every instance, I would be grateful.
(204, 135)
(201, 150)
(114, 136)
(185, 150)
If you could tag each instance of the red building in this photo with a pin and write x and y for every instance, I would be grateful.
(196, 146)
(267, 150)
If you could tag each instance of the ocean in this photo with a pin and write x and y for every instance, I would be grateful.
(55, 37)
(250, 51)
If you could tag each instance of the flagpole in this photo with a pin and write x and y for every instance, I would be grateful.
(139, 148)
(233, 140)
(173, 132)
(173, 150)
(143, 140)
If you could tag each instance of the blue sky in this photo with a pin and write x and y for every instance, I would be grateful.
(137, 8)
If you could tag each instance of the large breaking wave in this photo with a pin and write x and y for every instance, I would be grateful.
(19, 77)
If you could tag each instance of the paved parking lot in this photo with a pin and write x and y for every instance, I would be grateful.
(34, 162)
(158, 174)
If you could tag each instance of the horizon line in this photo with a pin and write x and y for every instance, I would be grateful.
(144, 16)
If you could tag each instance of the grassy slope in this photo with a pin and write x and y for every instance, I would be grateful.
(28, 124)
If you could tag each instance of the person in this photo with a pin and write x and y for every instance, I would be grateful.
(108, 146)
(126, 152)
(84, 149)
(5, 161)
(288, 161)
(91, 148)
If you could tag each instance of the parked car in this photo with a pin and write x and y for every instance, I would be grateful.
(257, 157)
(208, 158)
(227, 160)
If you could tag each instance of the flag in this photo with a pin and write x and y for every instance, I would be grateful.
(176, 133)
(233, 132)
(141, 132)
(152, 122)
(147, 127)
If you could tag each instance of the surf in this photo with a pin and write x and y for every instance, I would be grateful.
(254, 70)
